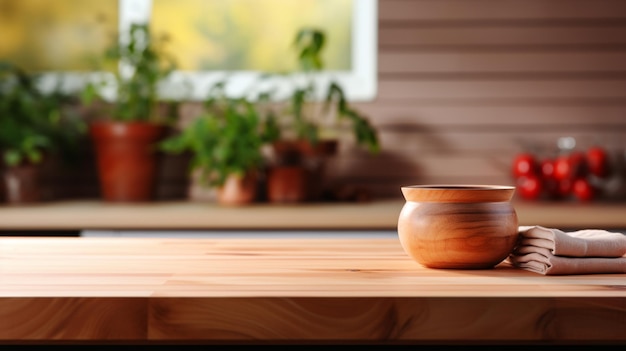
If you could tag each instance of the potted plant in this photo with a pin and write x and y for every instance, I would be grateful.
(34, 125)
(128, 128)
(226, 145)
(307, 122)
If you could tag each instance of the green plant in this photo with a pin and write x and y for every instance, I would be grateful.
(139, 64)
(310, 116)
(33, 122)
(227, 138)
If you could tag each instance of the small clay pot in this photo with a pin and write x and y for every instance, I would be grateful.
(298, 174)
(458, 226)
(288, 184)
(238, 190)
(21, 184)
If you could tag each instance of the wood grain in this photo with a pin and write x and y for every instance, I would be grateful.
(443, 320)
(75, 318)
(91, 290)
(448, 226)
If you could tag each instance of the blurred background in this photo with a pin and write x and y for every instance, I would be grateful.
(462, 88)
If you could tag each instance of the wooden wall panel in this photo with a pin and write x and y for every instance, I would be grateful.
(483, 90)
(506, 64)
(569, 115)
(464, 85)
(501, 10)
(459, 142)
(501, 36)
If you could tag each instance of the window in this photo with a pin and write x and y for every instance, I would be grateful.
(211, 39)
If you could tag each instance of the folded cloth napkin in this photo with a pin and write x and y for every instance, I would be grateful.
(551, 251)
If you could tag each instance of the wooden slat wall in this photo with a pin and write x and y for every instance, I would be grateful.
(465, 84)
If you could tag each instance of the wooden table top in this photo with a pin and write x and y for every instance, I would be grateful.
(286, 289)
(184, 215)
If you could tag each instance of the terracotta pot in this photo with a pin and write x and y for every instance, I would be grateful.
(458, 226)
(288, 184)
(301, 165)
(127, 159)
(238, 190)
(296, 151)
(21, 184)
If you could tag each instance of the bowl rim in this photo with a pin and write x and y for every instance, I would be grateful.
(460, 193)
(468, 187)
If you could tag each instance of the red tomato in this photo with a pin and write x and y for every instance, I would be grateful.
(529, 187)
(564, 188)
(578, 162)
(583, 190)
(598, 161)
(562, 168)
(547, 168)
(524, 164)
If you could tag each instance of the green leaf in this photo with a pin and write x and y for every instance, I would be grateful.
(310, 42)
(148, 64)
(12, 157)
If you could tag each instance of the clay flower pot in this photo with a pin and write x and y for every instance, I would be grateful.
(458, 226)
(21, 184)
(298, 173)
(288, 184)
(127, 159)
(238, 190)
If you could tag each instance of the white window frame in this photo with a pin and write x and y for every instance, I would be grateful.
(360, 83)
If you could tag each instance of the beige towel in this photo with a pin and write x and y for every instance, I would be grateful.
(554, 252)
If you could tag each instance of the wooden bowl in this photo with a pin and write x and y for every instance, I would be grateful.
(458, 226)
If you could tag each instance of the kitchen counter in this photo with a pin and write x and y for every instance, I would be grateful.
(306, 290)
(188, 215)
